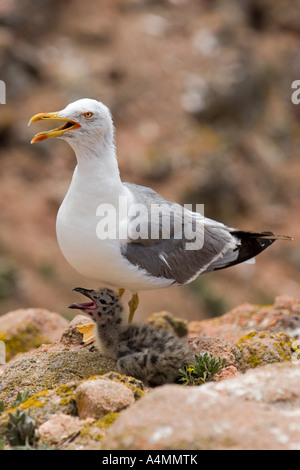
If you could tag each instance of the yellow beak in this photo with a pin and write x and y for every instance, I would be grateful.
(59, 131)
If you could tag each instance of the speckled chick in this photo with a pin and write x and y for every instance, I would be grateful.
(149, 354)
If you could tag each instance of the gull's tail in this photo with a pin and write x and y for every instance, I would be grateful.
(248, 245)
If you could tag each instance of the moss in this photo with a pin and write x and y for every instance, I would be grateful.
(168, 322)
(48, 371)
(67, 393)
(284, 346)
(46, 402)
(38, 400)
(34, 403)
(97, 429)
(135, 385)
(247, 337)
(25, 340)
(107, 420)
(259, 348)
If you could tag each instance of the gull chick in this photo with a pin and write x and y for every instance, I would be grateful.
(131, 261)
(146, 353)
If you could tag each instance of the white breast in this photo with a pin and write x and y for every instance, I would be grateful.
(92, 257)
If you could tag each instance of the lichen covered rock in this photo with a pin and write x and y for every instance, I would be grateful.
(26, 329)
(92, 433)
(46, 403)
(44, 370)
(217, 347)
(59, 428)
(168, 322)
(283, 315)
(264, 347)
(78, 400)
(246, 412)
(71, 336)
(135, 385)
(96, 398)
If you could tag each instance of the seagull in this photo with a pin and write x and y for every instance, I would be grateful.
(142, 351)
(128, 236)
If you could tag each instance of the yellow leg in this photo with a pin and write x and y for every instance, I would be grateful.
(121, 292)
(133, 305)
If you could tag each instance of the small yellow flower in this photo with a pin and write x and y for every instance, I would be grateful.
(190, 369)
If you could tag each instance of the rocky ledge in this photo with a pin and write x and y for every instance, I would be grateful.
(63, 395)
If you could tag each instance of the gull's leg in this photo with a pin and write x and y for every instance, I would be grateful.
(121, 292)
(133, 305)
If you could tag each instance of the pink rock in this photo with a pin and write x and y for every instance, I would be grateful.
(95, 398)
(217, 347)
(59, 427)
(283, 315)
(226, 373)
(256, 411)
(26, 329)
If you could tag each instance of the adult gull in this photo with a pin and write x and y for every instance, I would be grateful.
(128, 236)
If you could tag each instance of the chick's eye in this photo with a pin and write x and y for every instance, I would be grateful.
(88, 115)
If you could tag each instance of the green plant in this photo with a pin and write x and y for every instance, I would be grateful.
(203, 370)
(20, 430)
(2, 442)
(20, 398)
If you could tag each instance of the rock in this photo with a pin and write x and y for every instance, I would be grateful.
(216, 347)
(228, 372)
(283, 315)
(48, 368)
(166, 321)
(59, 428)
(273, 384)
(78, 400)
(96, 398)
(136, 386)
(91, 435)
(246, 412)
(56, 409)
(46, 403)
(26, 329)
(260, 348)
(71, 336)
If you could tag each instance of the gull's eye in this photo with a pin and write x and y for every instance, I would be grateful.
(88, 114)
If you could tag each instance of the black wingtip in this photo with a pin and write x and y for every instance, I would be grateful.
(251, 244)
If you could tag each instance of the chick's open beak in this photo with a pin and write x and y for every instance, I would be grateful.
(86, 305)
(59, 131)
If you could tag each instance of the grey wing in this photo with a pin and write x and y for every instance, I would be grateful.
(170, 253)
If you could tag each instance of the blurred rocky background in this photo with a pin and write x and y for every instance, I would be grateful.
(200, 91)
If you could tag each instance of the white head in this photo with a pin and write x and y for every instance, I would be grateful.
(87, 124)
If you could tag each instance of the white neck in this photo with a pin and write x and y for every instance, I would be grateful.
(97, 168)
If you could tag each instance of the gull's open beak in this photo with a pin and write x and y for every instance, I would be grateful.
(59, 131)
